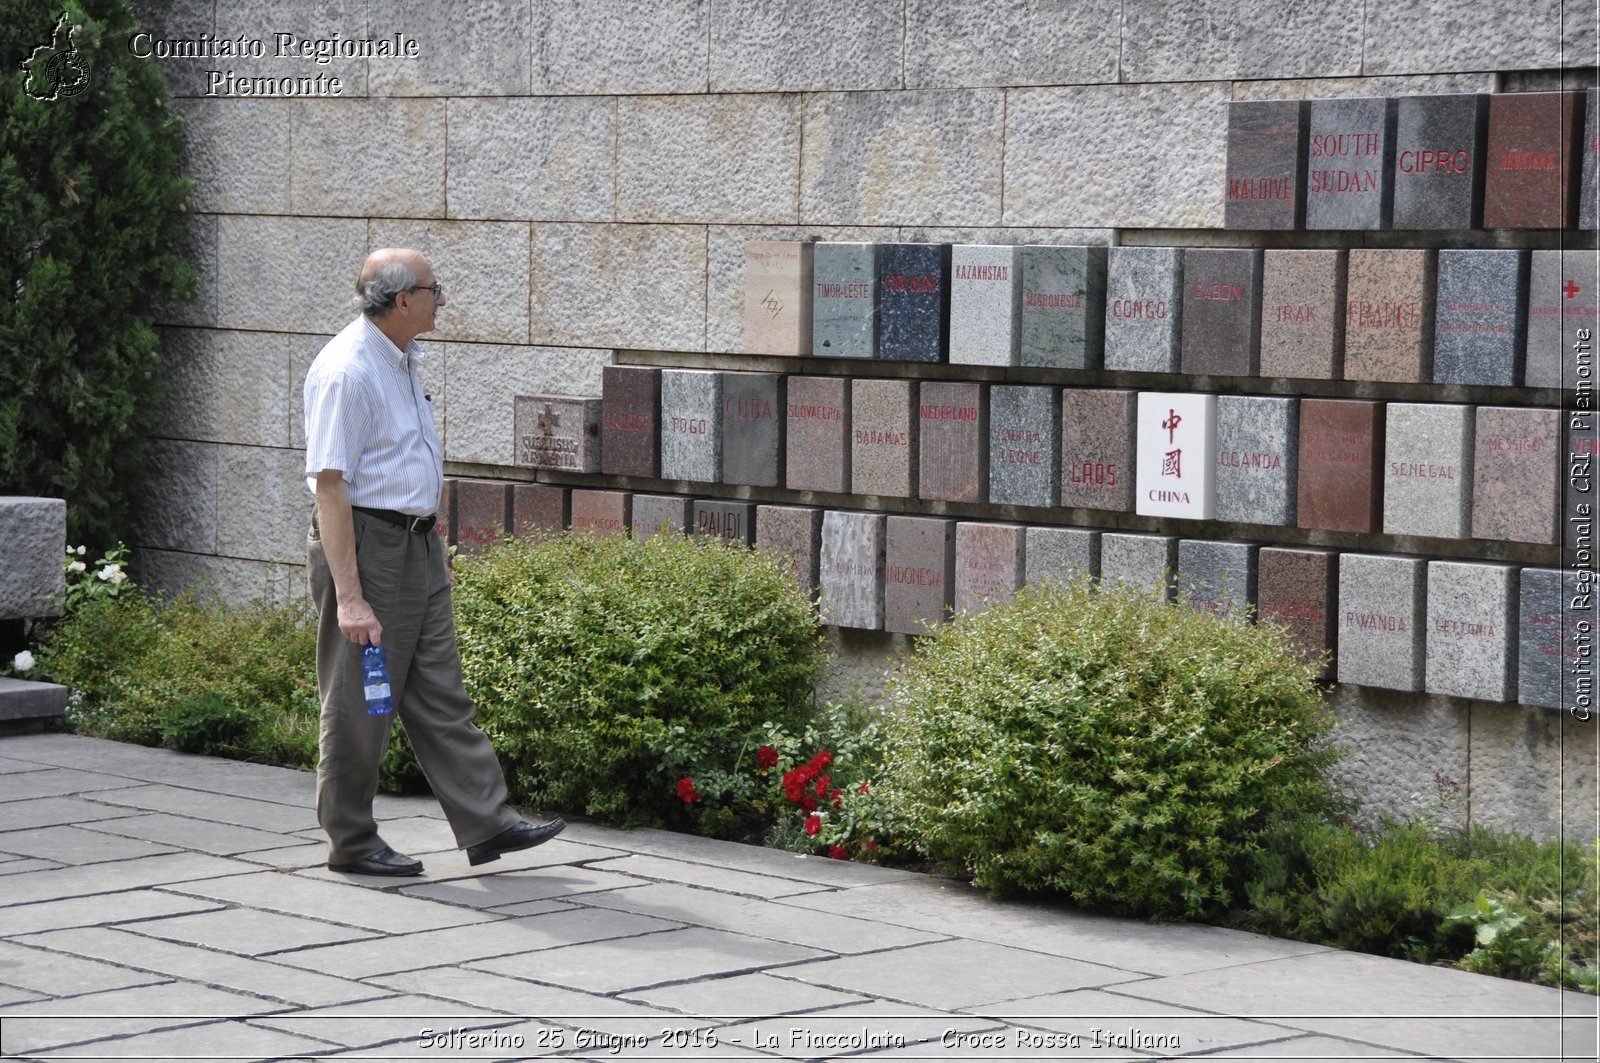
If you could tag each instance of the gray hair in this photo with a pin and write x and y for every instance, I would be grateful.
(376, 294)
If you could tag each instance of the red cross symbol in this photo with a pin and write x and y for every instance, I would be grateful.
(1570, 288)
(549, 419)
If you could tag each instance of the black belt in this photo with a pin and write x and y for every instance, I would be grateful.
(416, 525)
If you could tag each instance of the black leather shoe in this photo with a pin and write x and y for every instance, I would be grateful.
(522, 836)
(383, 862)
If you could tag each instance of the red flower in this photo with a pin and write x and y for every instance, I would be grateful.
(838, 852)
(813, 824)
(869, 844)
(687, 791)
(864, 789)
(766, 757)
(807, 803)
(823, 782)
(837, 797)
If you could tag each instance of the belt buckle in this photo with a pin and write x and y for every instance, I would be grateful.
(418, 525)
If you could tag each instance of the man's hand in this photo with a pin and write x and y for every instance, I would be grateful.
(359, 624)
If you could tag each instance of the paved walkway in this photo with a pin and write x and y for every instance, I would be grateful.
(161, 906)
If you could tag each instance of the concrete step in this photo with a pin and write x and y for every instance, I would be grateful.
(24, 702)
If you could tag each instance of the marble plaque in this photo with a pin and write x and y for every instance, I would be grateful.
(1098, 435)
(1516, 475)
(1562, 305)
(777, 297)
(793, 534)
(539, 507)
(1529, 178)
(817, 455)
(1177, 469)
(1427, 470)
(1143, 299)
(1297, 588)
(1558, 618)
(602, 512)
(1221, 311)
(1480, 317)
(557, 432)
(953, 442)
(732, 522)
(1302, 314)
(1589, 187)
(691, 425)
(919, 573)
(653, 514)
(630, 438)
(1216, 577)
(1144, 562)
(989, 564)
(1381, 620)
(1388, 324)
(844, 300)
(1350, 164)
(913, 302)
(1024, 445)
(851, 569)
(883, 438)
(1065, 555)
(985, 304)
(1340, 484)
(1063, 307)
(1257, 472)
(1266, 164)
(754, 415)
(1472, 630)
(483, 513)
(1438, 161)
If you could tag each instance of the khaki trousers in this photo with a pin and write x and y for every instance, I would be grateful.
(404, 579)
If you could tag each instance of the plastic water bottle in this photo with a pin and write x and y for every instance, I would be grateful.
(375, 678)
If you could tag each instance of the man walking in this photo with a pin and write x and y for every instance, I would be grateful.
(379, 576)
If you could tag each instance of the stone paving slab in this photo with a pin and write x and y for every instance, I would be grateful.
(247, 932)
(100, 910)
(758, 996)
(66, 844)
(187, 832)
(117, 876)
(54, 782)
(368, 909)
(96, 1016)
(50, 811)
(497, 892)
(16, 865)
(222, 808)
(723, 880)
(753, 858)
(46, 970)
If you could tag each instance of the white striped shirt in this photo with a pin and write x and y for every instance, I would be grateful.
(368, 417)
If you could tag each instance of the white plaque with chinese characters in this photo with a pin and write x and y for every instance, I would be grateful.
(1177, 470)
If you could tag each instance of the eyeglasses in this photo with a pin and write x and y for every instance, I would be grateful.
(436, 288)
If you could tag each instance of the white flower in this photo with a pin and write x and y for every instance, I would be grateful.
(77, 566)
(82, 550)
(112, 574)
(22, 662)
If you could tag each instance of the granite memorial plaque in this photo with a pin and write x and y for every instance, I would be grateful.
(883, 438)
(844, 303)
(653, 514)
(851, 569)
(1222, 311)
(1302, 314)
(754, 415)
(1582, 457)
(1563, 316)
(1350, 164)
(1529, 181)
(691, 425)
(1144, 562)
(817, 455)
(602, 512)
(630, 437)
(1388, 324)
(1472, 630)
(919, 573)
(557, 432)
(1266, 164)
(1480, 317)
(1065, 555)
(1558, 617)
(777, 297)
(719, 518)
(989, 563)
(793, 534)
(1143, 298)
(913, 302)
(1063, 307)
(1516, 475)
(1098, 443)
(1296, 587)
(539, 507)
(1427, 470)
(1216, 577)
(483, 513)
(1177, 469)
(1589, 187)
(1024, 445)
(1339, 485)
(1381, 620)
(1257, 472)
(985, 304)
(1438, 161)
(953, 442)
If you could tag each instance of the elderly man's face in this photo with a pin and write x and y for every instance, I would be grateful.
(419, 306)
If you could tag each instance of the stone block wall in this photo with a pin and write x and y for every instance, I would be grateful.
(585, 175)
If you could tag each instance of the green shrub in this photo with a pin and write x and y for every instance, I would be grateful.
(1103, 745)
(606, 669)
